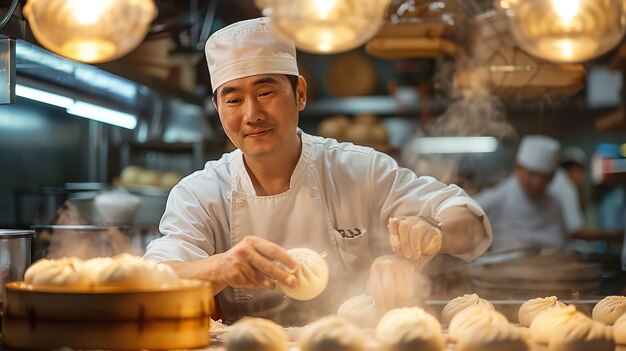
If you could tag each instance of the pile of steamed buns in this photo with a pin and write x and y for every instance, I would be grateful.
(473, 325)
(121, 271)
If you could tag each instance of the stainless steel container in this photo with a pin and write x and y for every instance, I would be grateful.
(15, 255)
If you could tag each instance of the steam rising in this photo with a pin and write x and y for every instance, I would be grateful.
(82, 241)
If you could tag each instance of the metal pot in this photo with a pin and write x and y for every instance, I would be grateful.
(15, 252)
(82, 241)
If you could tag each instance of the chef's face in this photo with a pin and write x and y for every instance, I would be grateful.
(260, 113)
(534, 184)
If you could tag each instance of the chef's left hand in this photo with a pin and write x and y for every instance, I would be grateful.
(391, 282)
(413, 238)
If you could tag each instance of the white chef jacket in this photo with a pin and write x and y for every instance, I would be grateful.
(564, 190)
(518, 220)
(357, 188)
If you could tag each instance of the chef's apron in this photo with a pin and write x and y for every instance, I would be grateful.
(298, 217)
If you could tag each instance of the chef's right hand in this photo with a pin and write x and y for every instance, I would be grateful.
(257, 263)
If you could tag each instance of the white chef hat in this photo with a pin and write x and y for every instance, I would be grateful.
(538, 153)
(248, 48)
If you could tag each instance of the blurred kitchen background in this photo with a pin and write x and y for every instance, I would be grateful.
(72, 131)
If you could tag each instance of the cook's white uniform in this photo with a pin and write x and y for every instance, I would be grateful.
(564, 190)
(340, 200)
(518, 220)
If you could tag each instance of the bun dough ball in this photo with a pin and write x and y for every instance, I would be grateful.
(361, 310)
(91, 268)
(583, 335)
(66, 272)
(334, 127)
(460, 303)
(312, 274)
(169, 179)
(367, 119)
(495, 338)
(409, 328)
(332, 333)
(134, 272)
(256, 334)
(547, 321)
(531, 308)
(609, 309)
(619, 330)
(149, 177)
(131, 174)
(478, 318)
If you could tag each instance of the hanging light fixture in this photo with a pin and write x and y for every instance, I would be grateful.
(565, 31)
(326, 26)
(90, 31)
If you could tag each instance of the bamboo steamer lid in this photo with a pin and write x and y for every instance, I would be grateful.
(352, 74)
(107, 318)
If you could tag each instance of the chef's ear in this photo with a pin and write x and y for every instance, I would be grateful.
(301, 93)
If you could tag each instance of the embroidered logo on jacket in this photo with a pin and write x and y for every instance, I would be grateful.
(351, 233)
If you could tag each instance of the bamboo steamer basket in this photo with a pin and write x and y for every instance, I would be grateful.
(528, 278)
(508, 71)
(107, 318)
(416, 31)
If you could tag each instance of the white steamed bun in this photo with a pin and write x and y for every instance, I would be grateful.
(477, 318)
(495, 338)
(609, 309)
(531, 308)
(547, 321)
(312, 274)
(256, 334)
(332, 333)
(460, 303)
(361, 310)
(134, 272)
(582, 335)
(409, 328)
(66, 272)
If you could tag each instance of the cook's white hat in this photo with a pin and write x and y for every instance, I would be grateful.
(538, 153)
(248, 48)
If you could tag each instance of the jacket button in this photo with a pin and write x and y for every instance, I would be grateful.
(240, 202)
(313, 192)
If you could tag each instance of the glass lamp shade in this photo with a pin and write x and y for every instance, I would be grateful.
(327, 26)
(565, 31)
(90, 31)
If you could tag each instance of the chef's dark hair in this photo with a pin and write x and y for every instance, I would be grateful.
(293, 80)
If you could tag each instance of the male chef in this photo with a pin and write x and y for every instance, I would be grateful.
(232, 222)
(520, 208)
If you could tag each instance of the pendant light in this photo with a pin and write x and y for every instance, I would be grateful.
(90, 31)
(326, 26)
(565, 31)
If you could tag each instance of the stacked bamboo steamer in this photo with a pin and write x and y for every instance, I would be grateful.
(496, 63)
(363, 129)
(416, 29)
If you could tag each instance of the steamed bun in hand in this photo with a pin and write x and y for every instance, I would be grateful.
(312, 274)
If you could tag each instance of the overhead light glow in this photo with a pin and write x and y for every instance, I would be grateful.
(78, 108)
(43, 96)
(103, 114)
(456, 145)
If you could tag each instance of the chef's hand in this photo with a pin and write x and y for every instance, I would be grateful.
(391, 282)
(257, 263)
(413, 238)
